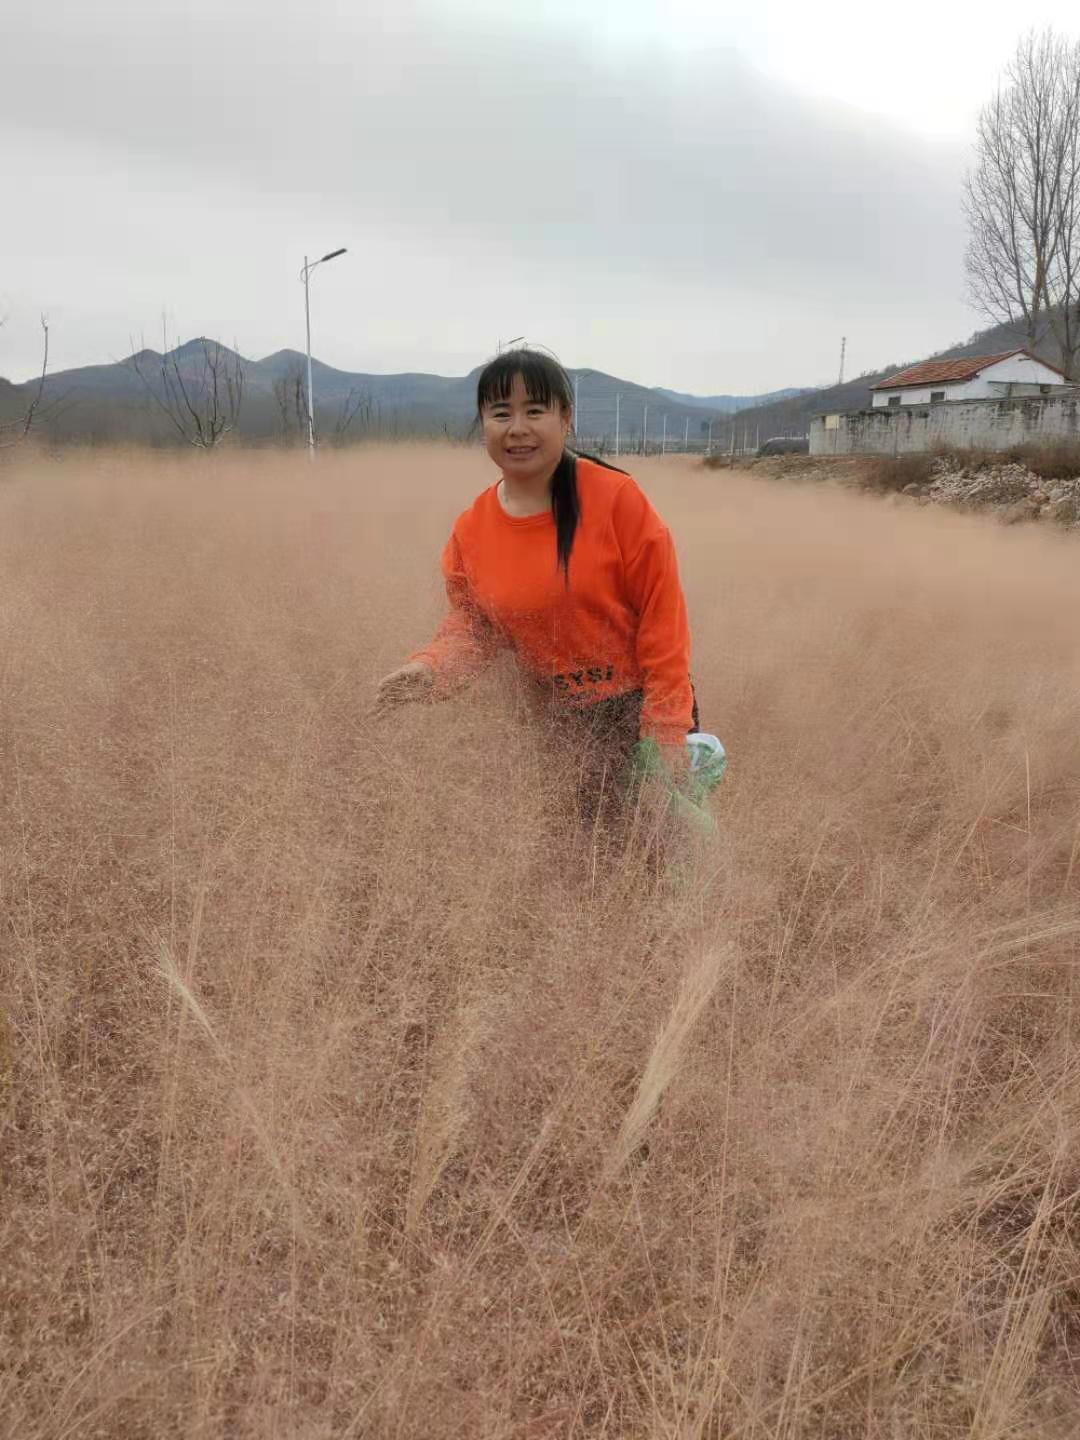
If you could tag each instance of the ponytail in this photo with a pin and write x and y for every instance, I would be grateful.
(566, 509)
(565, 505)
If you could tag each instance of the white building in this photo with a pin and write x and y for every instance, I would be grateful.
(977, 377)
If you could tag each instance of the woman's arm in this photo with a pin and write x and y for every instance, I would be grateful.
(654, 590)
(466, 642)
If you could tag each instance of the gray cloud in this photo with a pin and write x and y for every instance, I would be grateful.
(646, 183)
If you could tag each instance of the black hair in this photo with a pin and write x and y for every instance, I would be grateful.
(547, 382)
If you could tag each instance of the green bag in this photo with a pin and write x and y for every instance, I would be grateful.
(708, 761)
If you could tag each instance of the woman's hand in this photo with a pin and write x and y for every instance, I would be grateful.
(676, 761)
(403, 686)
(671, 821)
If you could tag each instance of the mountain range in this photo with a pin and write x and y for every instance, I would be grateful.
(119, 401)
(731, 404)
(102, 402)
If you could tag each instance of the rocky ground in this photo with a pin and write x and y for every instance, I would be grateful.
(1006, 488)
(1010, 489)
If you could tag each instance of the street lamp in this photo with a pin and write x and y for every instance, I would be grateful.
(577, 381)
(304, 275)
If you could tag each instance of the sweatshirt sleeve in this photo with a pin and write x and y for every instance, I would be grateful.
(466, 641)
(663, 634)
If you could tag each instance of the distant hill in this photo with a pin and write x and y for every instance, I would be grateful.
(110, 402)
(731, 404)
(101, 403)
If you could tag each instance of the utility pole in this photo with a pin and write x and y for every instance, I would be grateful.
(618, 397)
(686, 436)
(843, 349)
(305, 275)
(663, 443)
(645, 430)
(708, 449)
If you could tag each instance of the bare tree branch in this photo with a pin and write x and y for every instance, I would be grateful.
(1021, 200)
(14, 431)
(356, 401)
(289, 395)
(1063, 275)
(203, 406)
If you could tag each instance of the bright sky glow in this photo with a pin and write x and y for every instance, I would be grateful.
(926, 66)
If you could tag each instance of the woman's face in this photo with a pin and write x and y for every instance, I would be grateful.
(524, 437)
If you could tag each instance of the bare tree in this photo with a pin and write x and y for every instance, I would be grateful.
(17, 429)
(356, 403)
(1063, 275)
(290, 396)
(202, 400)
(1021, 200)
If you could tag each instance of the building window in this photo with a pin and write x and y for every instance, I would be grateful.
(894, 401)
(936, 395)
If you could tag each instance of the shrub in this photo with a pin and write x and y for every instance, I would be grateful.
(973, 458)
(892, 473)
(1059, 461)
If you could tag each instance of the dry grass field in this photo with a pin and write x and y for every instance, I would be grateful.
(348, 1088)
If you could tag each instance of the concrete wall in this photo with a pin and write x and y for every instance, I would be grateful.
(965, 424)
(1016, 369)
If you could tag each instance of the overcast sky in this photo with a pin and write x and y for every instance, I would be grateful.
(693, 193)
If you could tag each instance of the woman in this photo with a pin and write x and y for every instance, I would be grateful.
(564, 561)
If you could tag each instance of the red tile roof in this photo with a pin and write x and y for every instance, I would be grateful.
(949, 372)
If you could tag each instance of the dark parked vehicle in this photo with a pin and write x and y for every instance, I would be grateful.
(785, 445)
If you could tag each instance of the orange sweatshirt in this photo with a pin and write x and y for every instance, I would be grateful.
(620, 626)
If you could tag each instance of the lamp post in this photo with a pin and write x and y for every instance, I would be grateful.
(305, 274)
(579, 375)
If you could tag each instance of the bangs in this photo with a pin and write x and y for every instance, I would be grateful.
(545, 380)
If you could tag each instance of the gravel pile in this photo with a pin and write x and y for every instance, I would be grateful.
(1010, 489)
